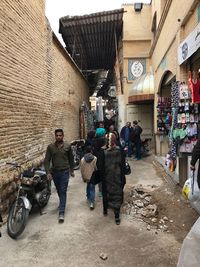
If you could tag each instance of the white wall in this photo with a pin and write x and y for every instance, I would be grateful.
(143, 114)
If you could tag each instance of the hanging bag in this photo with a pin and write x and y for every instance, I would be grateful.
(191, 189)
(96, 178)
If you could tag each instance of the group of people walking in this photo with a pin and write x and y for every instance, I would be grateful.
(109, 171)
(130, 135)
(103, 163)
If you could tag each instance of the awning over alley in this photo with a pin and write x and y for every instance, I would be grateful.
(91, 39)
(142, 89)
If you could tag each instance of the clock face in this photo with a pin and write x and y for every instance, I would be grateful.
(137, 69)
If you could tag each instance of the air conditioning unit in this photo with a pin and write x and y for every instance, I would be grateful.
(138, 7)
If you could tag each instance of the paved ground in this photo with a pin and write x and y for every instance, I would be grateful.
(85, 234)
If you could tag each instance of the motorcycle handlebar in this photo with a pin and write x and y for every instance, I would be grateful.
(14, 164)
(78, 142)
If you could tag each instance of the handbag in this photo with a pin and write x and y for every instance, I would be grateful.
(96, 178)
(127, 168)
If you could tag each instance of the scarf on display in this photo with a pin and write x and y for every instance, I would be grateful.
(175, 105)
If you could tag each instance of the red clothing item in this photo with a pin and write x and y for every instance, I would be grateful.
(195, 88)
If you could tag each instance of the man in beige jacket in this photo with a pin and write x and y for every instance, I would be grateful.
(88, 166)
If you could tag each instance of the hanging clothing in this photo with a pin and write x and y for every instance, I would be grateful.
(195, 88)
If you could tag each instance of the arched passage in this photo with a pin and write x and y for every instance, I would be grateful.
(164, 89)
(163, 112)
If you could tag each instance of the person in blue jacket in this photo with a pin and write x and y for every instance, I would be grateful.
(125, 135)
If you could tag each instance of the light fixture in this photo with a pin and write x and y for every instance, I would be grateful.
(138, 7)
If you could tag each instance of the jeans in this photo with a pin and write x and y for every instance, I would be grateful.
(90, 192)
(130, 150)
(61, 179)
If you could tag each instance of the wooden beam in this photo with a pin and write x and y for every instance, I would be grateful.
(140, 98)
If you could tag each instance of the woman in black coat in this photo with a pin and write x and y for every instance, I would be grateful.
(195, 157)
(114, 177)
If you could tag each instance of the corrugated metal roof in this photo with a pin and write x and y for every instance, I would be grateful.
(90, 39)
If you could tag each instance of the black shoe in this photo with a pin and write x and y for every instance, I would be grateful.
(105, 212)
(117, 221)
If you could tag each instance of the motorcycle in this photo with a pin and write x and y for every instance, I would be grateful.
(34, 189)
(77, 147)
(145, 147)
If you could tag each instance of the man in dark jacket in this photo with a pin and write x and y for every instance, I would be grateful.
(136, 139)
(195, 157)
(59, 165)
(125, 135)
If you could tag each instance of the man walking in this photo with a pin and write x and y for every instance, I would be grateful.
(59, 165)
(136, 139)
(125, 135)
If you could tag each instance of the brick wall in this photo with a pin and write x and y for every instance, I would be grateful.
(69, 90)
(35, 78)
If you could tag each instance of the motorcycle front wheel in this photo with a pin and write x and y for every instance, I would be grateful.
(17, 218)
(76, 163)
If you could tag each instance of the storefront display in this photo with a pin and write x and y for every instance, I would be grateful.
(185, 105)
(164, 117)
(86, 119)
(194, 87)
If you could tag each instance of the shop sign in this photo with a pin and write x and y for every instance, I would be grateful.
(190, 45)
(136, 67)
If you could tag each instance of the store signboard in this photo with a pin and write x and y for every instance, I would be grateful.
(190, 45)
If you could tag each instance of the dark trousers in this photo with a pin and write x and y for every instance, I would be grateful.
(105, 202)
(138, 149)
(130, 149)
(61, 180)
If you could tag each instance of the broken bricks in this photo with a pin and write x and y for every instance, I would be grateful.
(140, 206)
(149, 211)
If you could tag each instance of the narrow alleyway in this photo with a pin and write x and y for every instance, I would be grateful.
(86, 234)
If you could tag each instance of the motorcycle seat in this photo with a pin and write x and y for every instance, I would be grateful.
(40, 172)
(78, 142)
(28, 174)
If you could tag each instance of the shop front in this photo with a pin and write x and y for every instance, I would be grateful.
(141, 103)
(189, 104)
(164, 114)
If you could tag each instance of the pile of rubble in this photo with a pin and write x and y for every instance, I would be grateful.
(139, 204)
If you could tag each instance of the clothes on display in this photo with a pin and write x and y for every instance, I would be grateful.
(164, 117)
(194, 87)
(86, 120)
(183, 133)
(188, 117)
